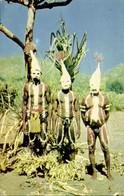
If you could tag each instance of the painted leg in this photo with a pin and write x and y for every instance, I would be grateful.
(72, 139)
(104, 145)
(107, 160)
(91, 138)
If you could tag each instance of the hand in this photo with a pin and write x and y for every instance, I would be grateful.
(24, 129)
(78, 133)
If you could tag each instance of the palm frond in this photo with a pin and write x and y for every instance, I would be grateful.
(62, 41)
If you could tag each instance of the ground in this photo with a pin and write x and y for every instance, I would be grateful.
(11, 183)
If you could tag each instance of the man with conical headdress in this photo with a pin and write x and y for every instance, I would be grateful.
(36, 107)
(95, 113)
(66, 116)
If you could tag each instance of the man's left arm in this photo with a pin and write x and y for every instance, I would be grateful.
(77, 112)
(48, 98)
(106, 108)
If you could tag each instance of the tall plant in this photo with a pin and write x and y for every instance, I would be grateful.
(63, 43)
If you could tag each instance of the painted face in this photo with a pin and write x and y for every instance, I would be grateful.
(66, 83)
(36, 74)
(94, 89)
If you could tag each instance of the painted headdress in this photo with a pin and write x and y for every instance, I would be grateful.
(34, 63)
(65, 75)
(95, 79)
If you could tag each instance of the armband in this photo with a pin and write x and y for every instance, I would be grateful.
(107, 107)
(83, 108)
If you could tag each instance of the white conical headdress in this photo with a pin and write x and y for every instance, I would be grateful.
(65, 75)
(34, 62)
(96, 78)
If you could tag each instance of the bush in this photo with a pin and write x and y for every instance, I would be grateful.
(116, 101)
(7, 96)
(115, 86)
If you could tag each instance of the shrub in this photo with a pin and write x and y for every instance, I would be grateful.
(115, 86)
(7, 96)
(116, 101)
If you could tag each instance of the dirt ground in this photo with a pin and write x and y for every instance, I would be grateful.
(11, 183)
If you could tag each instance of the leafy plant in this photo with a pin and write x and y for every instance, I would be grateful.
(62, 41)
(7, 96)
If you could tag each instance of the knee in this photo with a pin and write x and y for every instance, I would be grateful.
(104, 147)
(91, 149)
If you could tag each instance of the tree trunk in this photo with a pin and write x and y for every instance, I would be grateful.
(29, 39)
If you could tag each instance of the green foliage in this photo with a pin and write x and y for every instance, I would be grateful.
(7, 96)
(13, 75)
(81, 85)
(50, 75)
(62, 41)
(116, 101)
(114, 79)
(115, 86)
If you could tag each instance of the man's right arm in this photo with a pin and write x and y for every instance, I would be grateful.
(24, 108)
(106, 108)
(84, 109)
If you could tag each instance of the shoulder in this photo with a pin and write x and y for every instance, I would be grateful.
(27, 85)
(55, 95)
(86, 98)
(45, 85)
(74, 94)
(104, 99)
(103, 96)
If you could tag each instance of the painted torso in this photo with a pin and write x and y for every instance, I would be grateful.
(65, 103)
(36, 97)
(95, 114)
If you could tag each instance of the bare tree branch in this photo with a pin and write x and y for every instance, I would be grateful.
(10, 35)
(39, 1)
(52, 4)
(23, 2)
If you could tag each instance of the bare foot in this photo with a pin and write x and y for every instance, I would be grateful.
(109, 176)
(94, 176)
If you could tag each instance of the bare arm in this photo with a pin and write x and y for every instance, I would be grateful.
(48, 97)
(106, 108)
(25, 99)
(54, 113)
(77, 114)
(84, 109)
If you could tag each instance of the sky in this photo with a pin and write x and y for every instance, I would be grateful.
(102, 19)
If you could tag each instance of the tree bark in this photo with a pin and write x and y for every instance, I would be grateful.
(29, 37)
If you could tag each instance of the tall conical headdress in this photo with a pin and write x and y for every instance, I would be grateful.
(95, 79)
(34, 62)
(65, 75)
